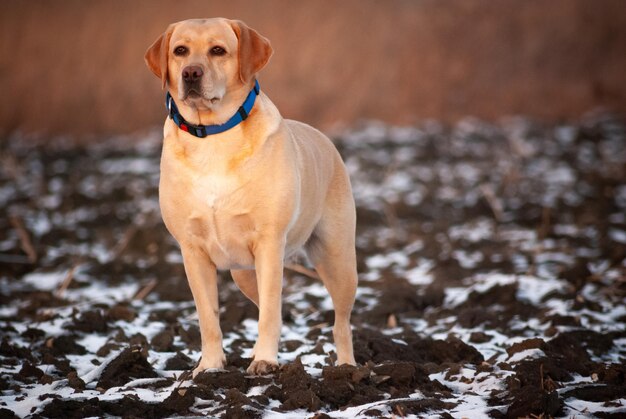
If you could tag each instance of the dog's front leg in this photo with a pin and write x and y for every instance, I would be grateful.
(202, 277)
(269, 267)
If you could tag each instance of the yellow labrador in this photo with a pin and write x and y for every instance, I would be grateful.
(243, 189)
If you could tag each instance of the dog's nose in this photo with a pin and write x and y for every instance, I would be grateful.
(192, 73)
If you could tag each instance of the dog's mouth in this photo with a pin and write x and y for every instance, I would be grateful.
(196, 97)
(192, 93)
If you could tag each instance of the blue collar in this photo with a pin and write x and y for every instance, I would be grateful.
(202, 131)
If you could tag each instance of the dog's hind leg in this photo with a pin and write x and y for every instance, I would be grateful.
(336, 266)
(332, 251)
(246, 281)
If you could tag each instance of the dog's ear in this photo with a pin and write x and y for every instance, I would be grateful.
(254, 50)
(156, 55)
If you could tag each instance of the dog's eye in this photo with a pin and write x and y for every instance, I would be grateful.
(218, 51)
(180, 50)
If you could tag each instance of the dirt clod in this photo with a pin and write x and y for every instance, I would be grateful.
(92, 321)
(163, 341)
(75, 381)
(121, 312)
(533, 401)
(180, 361)
(130, 364)
(229, 379)
(65, 344)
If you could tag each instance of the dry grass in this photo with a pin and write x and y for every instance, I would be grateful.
(77, 66)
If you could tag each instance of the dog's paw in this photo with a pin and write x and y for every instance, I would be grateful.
(346, 361)
(210, 364)
(262, 367)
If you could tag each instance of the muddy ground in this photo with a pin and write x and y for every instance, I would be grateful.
(492, 283)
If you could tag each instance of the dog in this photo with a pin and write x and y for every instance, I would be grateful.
(243, 189)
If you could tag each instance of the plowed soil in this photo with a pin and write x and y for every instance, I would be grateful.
(492, 283)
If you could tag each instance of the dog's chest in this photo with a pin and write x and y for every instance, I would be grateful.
(215, 191)
(211, 212)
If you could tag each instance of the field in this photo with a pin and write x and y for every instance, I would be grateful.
(492, 283)
(333, 64)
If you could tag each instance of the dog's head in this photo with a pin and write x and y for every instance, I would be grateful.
(203, 60)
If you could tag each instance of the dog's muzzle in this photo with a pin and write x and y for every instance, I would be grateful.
(192, 77)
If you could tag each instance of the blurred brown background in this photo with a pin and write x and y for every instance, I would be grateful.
(77, 66)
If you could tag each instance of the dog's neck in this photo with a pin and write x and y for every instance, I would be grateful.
(232, 109)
